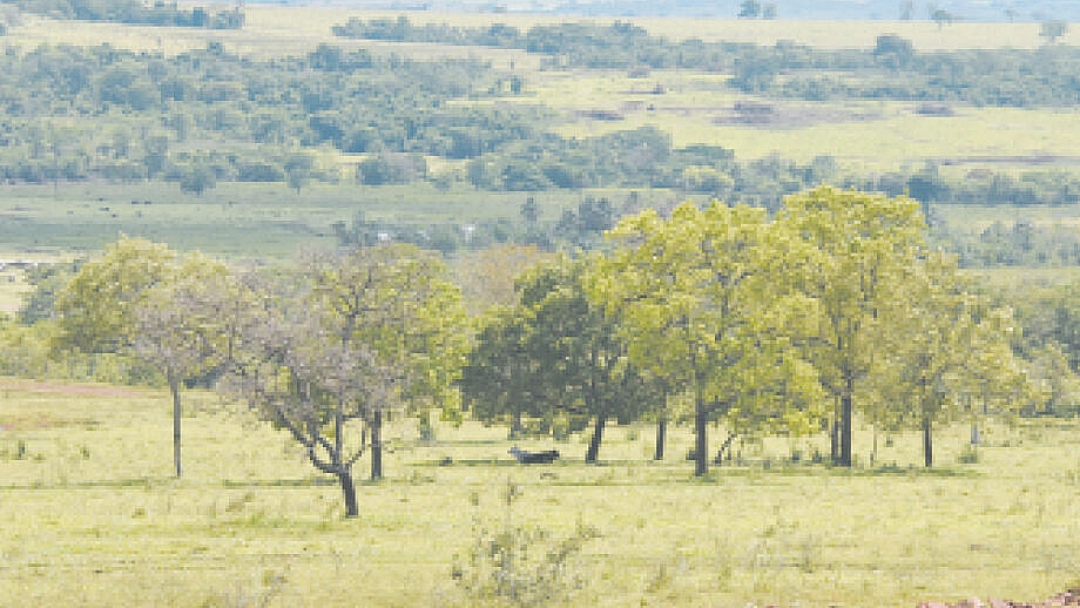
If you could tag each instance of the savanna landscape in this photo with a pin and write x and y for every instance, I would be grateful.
(282, 288)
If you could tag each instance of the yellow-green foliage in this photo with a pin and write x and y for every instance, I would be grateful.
(92, 516)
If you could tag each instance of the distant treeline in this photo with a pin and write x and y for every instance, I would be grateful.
(133, 12)
(208, 116)
(892, 70)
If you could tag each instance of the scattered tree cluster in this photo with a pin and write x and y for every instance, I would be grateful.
(832, 312)
(835, 307)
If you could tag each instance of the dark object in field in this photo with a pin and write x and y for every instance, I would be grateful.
(545, 457)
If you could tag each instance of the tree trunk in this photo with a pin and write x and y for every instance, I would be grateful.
(174, 387)
(349, 490)
(928, 441)
(834, 440)
(845, 423)
(597, 436)
(701, 440)
(661, 437)
(515, 425)
(376, 446)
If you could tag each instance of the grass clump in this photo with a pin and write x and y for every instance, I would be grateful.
(517, 565)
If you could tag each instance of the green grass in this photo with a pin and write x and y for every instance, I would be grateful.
(91, 515)
(235, 220)
(12, 288)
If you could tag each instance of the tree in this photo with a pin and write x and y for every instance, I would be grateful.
(705, 299)
(940, 15)
(487, 276)
(907, 10)
(96, 309)
(749, 9)
(497, 382)
(395, 302)
(198, 179)
(138, 299)
(1054, 29)
(583, 362)
(947, 347)
(893, 50)
(863, 245)
(555, 355)
(179, 328)
(304, 379)
(768, 11)
(298, 170)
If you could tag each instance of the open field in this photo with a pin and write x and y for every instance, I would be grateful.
(235, 220)
(297, 30)
(698, 109)
(12, 288)
(13, 284)
(92, 517)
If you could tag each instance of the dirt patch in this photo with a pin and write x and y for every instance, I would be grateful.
(40, 420)
(1030, 159)
(67, 389)
(1069, 598)
(780, 116)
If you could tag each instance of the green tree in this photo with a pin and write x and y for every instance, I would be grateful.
(298, 170)
(1053, 29)
(940, 16)
(947, 347)
(935, 340)
(499, 382)
(96, 309)
(749, 9)
(863, 244)
(198, 179)
(706, 300)
(580, 357)
(139, 299)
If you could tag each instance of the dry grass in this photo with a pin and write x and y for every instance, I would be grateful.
(279, 30)
(12, 288)
(697, 108)
(92, 517)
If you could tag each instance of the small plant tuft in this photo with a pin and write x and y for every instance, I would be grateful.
(522, 565)
(968, 455)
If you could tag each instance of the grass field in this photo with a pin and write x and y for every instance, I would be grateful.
(297, 30)
(236, 220)
(12, 288)
(92, 517)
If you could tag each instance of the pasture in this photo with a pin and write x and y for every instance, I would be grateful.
(236, 220)
(92, 517)
(12, 288)
(275, 30)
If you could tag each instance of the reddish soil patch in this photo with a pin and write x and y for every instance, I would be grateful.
(38, 420)
(1069, 598)
(86, 390)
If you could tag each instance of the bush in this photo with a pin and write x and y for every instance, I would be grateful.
(520, 565)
